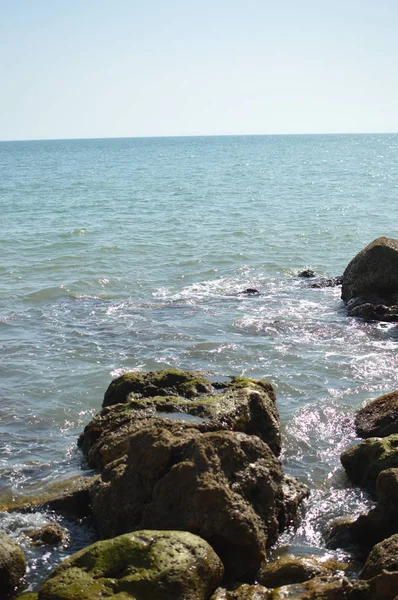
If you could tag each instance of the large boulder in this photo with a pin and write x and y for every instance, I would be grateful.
(226, 486)
(373, 271)
(143, 564)
(12, 567)
(243, 404)
(378, 418)
(366, 460)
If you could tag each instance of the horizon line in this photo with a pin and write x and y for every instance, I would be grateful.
(208, 135)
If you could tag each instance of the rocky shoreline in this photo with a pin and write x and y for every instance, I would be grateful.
(190, 494)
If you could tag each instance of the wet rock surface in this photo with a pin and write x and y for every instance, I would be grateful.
(12, 567)
(170, 565)
(243, 592)
(291, 569)
(51, 534)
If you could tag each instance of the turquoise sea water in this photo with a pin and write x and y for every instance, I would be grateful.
(123, 254)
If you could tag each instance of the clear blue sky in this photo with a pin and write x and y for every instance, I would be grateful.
(121, 68)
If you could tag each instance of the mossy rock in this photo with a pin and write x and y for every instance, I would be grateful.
(364, 462)
(12, 567)
(142, 565)
(167, 382)
(28, 596)
(383, 557)
(242, 404)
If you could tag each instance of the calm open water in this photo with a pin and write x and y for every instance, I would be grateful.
(123, 254)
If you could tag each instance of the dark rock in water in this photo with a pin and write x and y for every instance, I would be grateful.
(167, 565)
(323, 282)
(224, 486)
(307, 274)
(251, 292)
(51, 534)
(378, 418)
(12, 567)
(366, 460)
(243, 404)
(291, 569)
(370, 282)
(373, 271)
(383, 557)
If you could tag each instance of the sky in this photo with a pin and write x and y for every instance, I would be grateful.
(123, 68)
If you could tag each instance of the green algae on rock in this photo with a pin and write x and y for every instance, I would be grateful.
(366, 460)
(12, 567)
(243, 404)
(142, 565)
(167, 382)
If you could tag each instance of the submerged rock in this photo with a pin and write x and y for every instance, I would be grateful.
(143, 564)
(225, 486)
(243, 592)
(291, 569)
(370, 282)
(12, 567)
(243, 404)
(366, 460)
(70, 498)
(51, 534)
(378, 418)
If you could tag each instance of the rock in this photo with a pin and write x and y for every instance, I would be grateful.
(373, 271)
(307, 274)
(251, 292)
(378, 418)
(365, 461)
(243, 592)
(28, 596)
(380, 522)
(323, 282)
(383, 557)
(381, 587)
(12, 567)
(168, 382)
(51, 534)
(291, 569)
(224, 486)
(70, 498)
(243, 404)
(143, 564)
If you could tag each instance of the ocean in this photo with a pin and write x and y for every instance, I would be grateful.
(127, 254)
